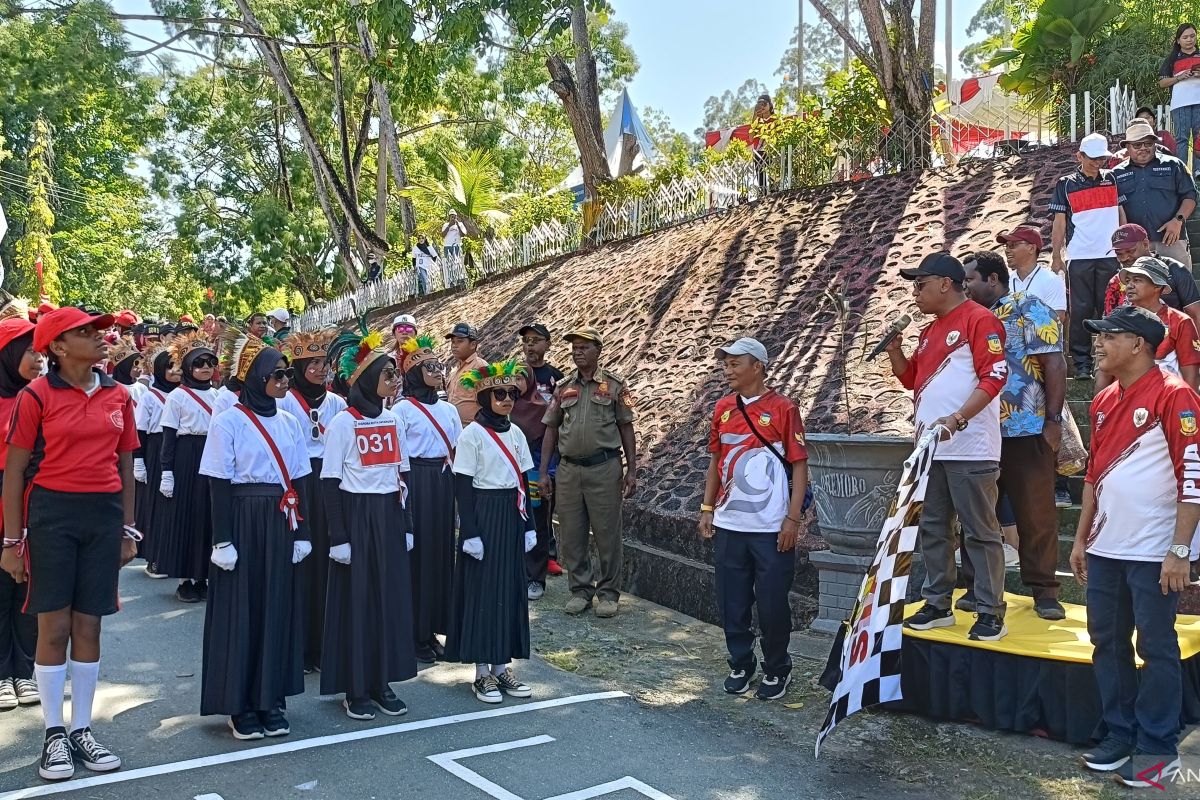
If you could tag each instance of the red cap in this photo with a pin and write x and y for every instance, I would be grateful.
(186, 318)
(46, 308)
(126, 318)
(13, 328)
(1127, 236)
(61, 320)
(1022, 233)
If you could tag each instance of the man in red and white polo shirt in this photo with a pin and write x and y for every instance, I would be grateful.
(1146, 280)
(757, 443)
(1141, 503)
(956, 373)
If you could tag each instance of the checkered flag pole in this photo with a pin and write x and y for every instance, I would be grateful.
(870, 640)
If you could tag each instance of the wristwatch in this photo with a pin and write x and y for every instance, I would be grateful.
(1180, 218)
(1054, 418)
(1180, 551)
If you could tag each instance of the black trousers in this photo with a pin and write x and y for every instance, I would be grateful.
(537, 560)
(751, 571)
(18, 631)
(1087, 280)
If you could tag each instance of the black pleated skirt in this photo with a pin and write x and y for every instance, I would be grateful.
(252, 626)
(184, 522)
(145, 495)
(489, 621)
(368, 635)
(313, 572)
(431, 495)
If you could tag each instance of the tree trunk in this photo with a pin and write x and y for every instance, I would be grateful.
(339, 110)
(629, 151)
(580, 97)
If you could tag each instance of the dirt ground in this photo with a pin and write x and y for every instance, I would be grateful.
(667, 659)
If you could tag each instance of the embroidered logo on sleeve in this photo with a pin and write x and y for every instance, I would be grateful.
(1187, 423)
(994, 345)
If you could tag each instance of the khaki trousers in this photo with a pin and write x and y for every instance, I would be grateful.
(589, 499)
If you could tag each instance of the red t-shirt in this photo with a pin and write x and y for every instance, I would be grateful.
(6, 408)
(74, 438)
(1179, 347)
(1145, 456)
(754, 495)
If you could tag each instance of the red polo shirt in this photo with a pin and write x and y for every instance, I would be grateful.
(74, 438)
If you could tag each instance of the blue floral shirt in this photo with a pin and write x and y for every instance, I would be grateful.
(1031, 328)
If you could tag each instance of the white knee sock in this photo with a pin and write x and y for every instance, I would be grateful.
(51, 682)
(480, 670)
(84, 675)
(498, 669)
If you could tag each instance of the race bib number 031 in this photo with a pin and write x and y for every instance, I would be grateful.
(378, 445)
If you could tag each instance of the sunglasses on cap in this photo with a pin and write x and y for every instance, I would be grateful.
(511, 394)
(283, 372)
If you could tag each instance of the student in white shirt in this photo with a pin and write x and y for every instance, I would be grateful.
(489, 624)
(147, 459)
(368, 615)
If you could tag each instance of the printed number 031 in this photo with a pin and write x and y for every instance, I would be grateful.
(375, 443)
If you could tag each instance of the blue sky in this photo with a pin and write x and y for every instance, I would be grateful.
(690, 50)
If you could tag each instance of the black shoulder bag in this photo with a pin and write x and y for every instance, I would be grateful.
(787, 465)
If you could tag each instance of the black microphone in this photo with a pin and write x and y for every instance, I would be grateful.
(892, 332)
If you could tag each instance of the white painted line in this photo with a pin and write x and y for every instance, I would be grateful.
(45, 790)
(612, 787)
(448, 762)
(208, 797)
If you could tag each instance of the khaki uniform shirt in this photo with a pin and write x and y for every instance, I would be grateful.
(462, 398)
(587, 413)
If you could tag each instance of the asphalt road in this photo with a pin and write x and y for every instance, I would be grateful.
(572, 740)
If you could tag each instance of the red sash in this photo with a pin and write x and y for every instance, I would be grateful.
(290, 503)
(433, 421)
(199, 400)
(162, 398)
(512, 462)
(307, 410)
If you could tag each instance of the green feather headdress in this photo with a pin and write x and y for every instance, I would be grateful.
(417, 350)
(356, 350)
(501, 373)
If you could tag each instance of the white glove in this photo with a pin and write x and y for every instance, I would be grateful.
(340, 553)
(139, 470)
(224, 557)
(408, 541)
(300, 551)
(530, 540)
(167, 485)
(474, 547)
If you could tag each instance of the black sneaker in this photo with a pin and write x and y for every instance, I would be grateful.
(387, 702)
(508, 683)
(1107, 756)
(358, 708)
(987, 628)
(1049, 608)
(56, 763)
(274, 722)
(930, 617)
(186, 593)
(1062, 498)
(773, 687)
(739, 681)
(92, 754)
(487, 690)
(966, 602)
(1144, 771)
(439, 652)
(425, 654)
(246, 726)
(201, 588)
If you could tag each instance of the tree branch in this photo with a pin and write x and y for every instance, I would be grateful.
(842, 31)
(427, 125)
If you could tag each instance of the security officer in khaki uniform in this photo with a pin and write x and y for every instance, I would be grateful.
(590, 420)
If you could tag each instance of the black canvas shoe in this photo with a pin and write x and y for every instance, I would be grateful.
(773, 687)
(508, 683)
(425, 654)
(987, 628)
(358, 708)
(186, 593)
(246, 727)
(1107, 756)
(930, 617)
(56, 763)
(274, 722)
(739, 681)
(966, 602)
(1144, 771)
(387, 702)
(487, 690)
(1049, 608)
(439, 652)
(91, 753)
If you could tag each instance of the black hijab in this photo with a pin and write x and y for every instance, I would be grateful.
(254, 390)
(363, 395)
(313, 393)
(415, 386)
(188, 361)
(162, 365)
(123, 372)
(488, 418)
(11, 354)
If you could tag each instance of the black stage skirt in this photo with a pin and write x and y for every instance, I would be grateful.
(252, 626)
(183, 523)
(145, 494)
(489, 622)
(368, 635)
(431, 495)
(313, 572)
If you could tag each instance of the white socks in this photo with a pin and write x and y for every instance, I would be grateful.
(481, 670)
(51, 683)
(498, 669)
(83, 691)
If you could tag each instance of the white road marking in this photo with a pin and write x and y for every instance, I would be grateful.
(208, 797)
(45, 790)
(612, 787)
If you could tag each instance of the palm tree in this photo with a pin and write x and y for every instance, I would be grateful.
(472, 188)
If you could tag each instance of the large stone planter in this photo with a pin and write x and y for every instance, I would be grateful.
(854, 480)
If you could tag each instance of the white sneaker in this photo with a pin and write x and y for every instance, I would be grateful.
(8, 694)
(27, 693)
(1011, 557)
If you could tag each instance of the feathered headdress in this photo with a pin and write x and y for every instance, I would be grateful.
(313, 344)
(123, 349)
(501, 373)
(356, 350)
(185, 343)
(417, 350)
(237, 351)
(14, 308)
(150, 354)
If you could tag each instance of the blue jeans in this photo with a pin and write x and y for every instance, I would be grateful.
(1139, 709)
(1185, 121)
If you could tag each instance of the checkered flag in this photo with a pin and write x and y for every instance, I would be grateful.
(869, 643)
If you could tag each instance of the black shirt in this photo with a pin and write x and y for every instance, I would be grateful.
(530, 407)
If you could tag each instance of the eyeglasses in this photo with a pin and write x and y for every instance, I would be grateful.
(533, 339)
(204, 363)
(510, 394)
(283, 372)
(314, 418)
(1141, 145)
(389, 375)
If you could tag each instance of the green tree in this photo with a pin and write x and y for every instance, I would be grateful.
(731, 108)
(471, 188)
(36, 245)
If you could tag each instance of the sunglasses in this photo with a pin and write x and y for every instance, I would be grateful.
(404, 329)
(511, 394)
(314, 418)
(202, 363)
(389, 375)
(433, 367)
(283, 372)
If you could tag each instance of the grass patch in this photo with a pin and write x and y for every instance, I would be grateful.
(566, 660)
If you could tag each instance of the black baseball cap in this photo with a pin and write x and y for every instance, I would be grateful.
(536, 327)
(1130, 319)
(464, 330)
(941, 265)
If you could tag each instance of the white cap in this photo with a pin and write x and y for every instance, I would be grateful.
(405, 319)
(1094, 145)
(744, 347)
(280, 314)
